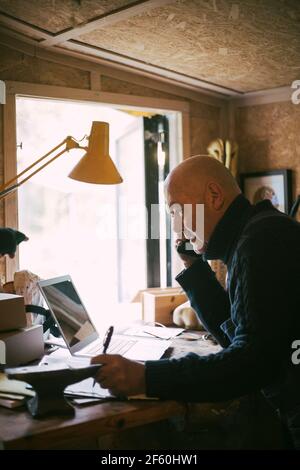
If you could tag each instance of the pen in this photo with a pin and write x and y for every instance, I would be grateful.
(106, 341)
(107, 338)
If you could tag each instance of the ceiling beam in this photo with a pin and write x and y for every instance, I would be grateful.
(135, 64)
(23, 27)
(272, 95)
(105, 20)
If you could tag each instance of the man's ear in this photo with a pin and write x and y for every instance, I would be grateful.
(214, 196)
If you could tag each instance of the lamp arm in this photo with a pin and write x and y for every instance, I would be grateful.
(70, 143)
(15, 178)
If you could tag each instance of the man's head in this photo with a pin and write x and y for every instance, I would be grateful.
(200, 180)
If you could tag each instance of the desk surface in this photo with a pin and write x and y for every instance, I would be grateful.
(19, 431)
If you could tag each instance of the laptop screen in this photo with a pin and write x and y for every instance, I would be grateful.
(70, 314)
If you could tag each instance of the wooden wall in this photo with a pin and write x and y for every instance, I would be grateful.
(269, 138)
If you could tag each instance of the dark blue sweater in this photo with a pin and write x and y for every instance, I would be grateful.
(255, 320)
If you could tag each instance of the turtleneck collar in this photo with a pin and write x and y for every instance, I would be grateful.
(228, 229)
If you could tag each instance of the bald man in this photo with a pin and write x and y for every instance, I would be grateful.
(256, 320)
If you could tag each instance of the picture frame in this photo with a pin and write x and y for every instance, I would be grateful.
(275, 185)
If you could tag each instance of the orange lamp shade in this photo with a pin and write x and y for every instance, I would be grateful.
(96, 166)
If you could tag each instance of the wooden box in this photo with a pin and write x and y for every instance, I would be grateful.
(158, 304)
(12, 312)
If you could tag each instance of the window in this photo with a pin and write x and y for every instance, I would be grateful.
(94, 233)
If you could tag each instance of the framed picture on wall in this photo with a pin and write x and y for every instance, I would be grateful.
(274, 185)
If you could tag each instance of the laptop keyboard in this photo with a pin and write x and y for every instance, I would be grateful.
(117, 346)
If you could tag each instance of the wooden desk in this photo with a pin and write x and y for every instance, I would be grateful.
(19, 431)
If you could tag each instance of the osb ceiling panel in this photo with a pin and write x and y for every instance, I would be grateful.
(57, 15)
(246, 46)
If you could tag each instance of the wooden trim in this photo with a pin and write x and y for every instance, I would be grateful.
(140, 65)
(186, 135)
(10, 170)
(115, 99)
(23, 27)
(95, 81)
(136, 76)
(8, 38)
(118, 71)
(139, 77)
(274, 95)
(105, 20)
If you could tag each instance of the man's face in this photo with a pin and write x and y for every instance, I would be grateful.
(188, 221)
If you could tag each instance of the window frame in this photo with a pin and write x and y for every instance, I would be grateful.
(118, 100)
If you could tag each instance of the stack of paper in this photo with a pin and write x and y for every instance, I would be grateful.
(13, 393)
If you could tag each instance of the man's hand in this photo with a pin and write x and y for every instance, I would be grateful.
(121, 376)
(187, 260)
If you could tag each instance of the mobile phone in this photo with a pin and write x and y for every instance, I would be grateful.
(183, 250)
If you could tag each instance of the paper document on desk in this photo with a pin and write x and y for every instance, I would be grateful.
(63, 358)
(153, 331)
(86, 388)
(15, 387)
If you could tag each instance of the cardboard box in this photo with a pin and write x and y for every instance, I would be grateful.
(159, 304)
(21, 346)
(12, 312)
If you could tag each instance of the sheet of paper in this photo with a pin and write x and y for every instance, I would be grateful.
(62, 357)
(11, 396)
(14, 386)
(86, 388)
(154, 331)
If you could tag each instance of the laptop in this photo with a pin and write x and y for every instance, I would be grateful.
(79, 333)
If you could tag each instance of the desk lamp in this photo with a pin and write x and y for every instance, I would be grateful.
(96, 166)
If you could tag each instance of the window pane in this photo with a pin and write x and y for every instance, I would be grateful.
(73, 226)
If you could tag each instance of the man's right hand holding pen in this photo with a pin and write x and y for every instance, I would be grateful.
(106, 342)
(121, 376)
